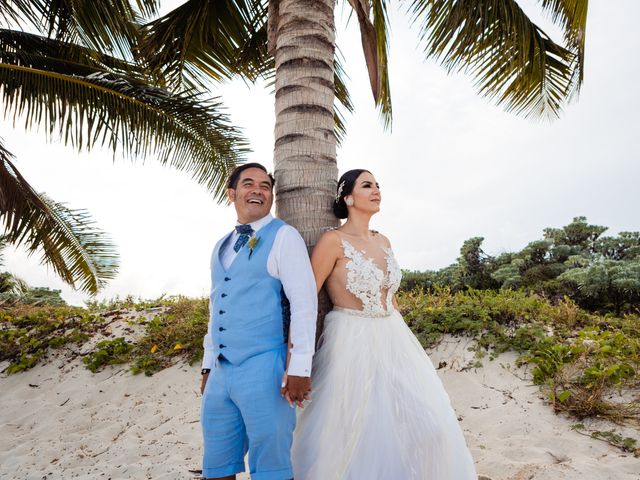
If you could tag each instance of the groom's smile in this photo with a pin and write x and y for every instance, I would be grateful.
(253, 195)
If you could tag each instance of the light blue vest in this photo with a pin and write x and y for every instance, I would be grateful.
(248, 306)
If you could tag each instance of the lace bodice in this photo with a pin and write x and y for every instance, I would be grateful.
(367, 281)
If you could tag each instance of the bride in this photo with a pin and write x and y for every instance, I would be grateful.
(379, 410)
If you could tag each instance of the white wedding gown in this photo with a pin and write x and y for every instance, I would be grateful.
(378, 409)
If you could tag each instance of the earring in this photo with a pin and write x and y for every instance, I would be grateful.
(349, 201)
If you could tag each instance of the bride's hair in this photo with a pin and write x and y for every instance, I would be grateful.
(345, 187)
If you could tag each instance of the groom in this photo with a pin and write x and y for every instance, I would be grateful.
(260, 276)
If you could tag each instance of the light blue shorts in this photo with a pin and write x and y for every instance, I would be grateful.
(243, 411)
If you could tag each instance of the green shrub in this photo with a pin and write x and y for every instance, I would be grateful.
(109, 352)
(27, 332)
(579, 359)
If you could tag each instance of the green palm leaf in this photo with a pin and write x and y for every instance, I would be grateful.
(92, 104)
(30, 50)
(103, 26)
(571, 15)
(344, 102)
(201, 39)
(15, 11)
(380, 23)
(513, 60)
(77, 251)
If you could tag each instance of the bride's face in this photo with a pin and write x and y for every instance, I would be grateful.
(366, 194)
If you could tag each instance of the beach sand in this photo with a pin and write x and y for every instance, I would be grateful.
(60, 421)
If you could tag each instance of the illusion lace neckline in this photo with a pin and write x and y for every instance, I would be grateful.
(366, 280)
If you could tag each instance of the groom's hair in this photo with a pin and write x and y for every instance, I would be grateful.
(235, 174)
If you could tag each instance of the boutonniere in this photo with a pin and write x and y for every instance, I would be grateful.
(253, 243)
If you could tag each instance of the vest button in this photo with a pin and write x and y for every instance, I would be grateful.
(221, 312)
(226, 279)
(222, 329)
(223, 295)
(222, 346)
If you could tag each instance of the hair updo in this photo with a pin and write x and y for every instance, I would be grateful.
(345, 187)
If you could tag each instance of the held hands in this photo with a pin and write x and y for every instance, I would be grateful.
(295, 389)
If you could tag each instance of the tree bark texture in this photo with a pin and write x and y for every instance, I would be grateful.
(305, 143)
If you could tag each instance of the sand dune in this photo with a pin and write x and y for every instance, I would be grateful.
(60, 421)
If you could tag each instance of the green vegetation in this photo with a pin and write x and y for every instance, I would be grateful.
(626, 444)
(108, 352)
(578, 340)
(176, 331)
(601, 274)
(581, 360)
(14, 290)
(569, 304)
(27, 295)
(27, 332)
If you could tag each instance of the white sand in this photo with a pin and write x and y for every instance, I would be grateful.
(60, 421)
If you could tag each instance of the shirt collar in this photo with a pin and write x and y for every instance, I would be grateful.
(258, 224)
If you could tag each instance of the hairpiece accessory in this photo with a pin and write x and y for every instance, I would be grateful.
(339, 191)
(348, 201)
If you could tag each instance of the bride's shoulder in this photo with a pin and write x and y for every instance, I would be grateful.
(330, 238)
(328, 247)
(384, 241)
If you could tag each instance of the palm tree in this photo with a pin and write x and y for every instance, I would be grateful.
(77, 76)
(94, 54)
(292, 42)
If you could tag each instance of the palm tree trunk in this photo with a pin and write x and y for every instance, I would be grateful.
(306, 170)
(305, 144)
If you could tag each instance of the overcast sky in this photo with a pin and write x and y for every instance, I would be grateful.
(455, 166)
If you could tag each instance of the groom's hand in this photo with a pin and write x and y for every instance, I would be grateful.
(297, 389)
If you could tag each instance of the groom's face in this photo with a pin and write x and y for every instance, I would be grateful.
(253, 195)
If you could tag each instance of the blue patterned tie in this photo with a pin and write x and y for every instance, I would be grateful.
(245, 232)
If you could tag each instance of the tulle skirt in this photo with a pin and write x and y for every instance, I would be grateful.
(378, 409)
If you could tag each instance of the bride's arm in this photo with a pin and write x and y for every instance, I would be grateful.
(324, 257)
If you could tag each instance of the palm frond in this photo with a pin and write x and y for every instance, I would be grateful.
(148, 7)
(571, 15)
(380, 25)
(35, 51)
(127, 115)
(343, 98)
(208, 39)
(375, 46)
(70, 243)
(512, 59)
(362, 8)
(106, 27)
(17, 12)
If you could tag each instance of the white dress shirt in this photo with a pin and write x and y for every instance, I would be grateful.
(288, 261)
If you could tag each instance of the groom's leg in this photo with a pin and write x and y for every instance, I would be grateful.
(222, 428)
(268, 419)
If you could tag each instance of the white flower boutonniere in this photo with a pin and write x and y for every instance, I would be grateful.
(253, 243)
